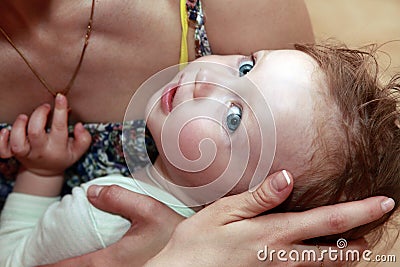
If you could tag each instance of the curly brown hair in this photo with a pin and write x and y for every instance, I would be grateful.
(361, 153)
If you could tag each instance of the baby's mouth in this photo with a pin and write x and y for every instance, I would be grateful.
(168, 97)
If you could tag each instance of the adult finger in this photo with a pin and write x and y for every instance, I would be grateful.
(340, 254)
(338, 218)
(130, 205)
(5, 150)
(272, 192)
(152, 224)
(37, 126)
(59, 125)
(18, 141)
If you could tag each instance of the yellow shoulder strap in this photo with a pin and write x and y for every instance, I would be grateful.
(183, 59)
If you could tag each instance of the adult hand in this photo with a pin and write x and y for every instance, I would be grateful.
(152, 226)
(228, 233)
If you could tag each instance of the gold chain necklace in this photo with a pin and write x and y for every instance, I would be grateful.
(41, 79)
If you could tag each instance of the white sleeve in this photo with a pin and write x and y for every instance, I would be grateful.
(68, 228)
(37, 230)
(19, 215)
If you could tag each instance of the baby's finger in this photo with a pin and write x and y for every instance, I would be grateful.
(18, 142)
(37, 126)
(81, 141)
(59, 125)
(5, 150)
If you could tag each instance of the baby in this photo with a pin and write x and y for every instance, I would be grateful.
(335, 129)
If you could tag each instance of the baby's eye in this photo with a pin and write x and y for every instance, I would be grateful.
(234, 117)
(246, 66)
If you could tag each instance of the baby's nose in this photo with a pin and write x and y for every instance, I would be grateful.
(210, 82)
(204, 84)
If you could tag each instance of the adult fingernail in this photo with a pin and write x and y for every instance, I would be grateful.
(387, 205)
(94, 191)
(281, 181)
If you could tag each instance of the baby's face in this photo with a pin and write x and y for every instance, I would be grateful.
(226, 102)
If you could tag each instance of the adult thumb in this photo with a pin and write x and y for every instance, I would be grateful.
(272, 192)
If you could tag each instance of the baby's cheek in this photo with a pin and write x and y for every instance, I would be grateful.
(206, 140)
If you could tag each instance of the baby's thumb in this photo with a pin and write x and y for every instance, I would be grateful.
(272, 192)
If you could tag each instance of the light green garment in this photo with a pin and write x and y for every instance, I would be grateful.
(39, 230)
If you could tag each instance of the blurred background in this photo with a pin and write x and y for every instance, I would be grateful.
(358, 23)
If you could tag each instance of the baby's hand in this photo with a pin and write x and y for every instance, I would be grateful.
(43, 153)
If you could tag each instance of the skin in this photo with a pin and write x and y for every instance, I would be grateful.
(323, 221)
(113, 59)
(44, 156)
(291, 82)
(235, 223)
(287, 78)
(125, 34)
